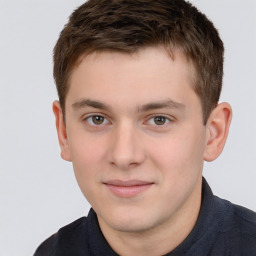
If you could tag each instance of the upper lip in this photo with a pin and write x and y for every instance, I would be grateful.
(127, 183)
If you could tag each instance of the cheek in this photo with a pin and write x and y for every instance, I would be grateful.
(87, 154)
(179, 154)
(85, 147)
(87, 159)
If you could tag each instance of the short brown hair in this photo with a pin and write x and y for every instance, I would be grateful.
(128, 26)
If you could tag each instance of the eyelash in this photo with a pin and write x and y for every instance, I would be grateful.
(167, 120)
(91, 122)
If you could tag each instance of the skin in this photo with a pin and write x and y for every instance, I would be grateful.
(134, 119)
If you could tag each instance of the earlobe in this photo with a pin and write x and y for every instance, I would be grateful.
(218, 128)
(61, 130)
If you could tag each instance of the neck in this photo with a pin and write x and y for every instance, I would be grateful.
(158, 240)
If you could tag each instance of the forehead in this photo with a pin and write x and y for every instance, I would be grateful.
(152, 72)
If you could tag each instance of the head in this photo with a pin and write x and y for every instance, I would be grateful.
(139, 83)
(129, 26)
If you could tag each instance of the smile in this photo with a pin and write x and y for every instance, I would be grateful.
(127, 189)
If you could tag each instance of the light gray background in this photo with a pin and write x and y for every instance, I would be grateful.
(38, 192)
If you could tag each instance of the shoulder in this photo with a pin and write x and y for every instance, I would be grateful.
(81, 237)
(238, 228)
(235, 215)
(245, 220)
(244, 230)
(66, 239)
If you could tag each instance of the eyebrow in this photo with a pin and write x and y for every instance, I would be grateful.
(90, 103)
(163, 104)
(83, 103)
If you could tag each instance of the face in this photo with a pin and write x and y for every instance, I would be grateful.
(135, 135)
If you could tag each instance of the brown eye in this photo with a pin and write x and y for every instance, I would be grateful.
(159, 120)
(98, 120)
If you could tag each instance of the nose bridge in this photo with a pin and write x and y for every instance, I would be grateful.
(126, 148)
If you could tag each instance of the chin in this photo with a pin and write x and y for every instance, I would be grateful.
(131, 221)
(131, 226)
(123, 221)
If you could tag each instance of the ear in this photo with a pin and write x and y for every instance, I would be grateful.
(217, 131)
(61, 130)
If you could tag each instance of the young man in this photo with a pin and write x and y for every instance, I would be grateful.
(138, 114)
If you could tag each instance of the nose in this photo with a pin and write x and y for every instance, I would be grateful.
(127, 150)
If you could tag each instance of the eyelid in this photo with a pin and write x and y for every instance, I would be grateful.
(161, 115)
(90, 115)
(149, 117)
(168, 118)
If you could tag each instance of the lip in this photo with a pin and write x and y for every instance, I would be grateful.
(129, 188)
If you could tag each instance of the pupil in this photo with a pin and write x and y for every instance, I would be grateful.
(160, 120)
(98, 119)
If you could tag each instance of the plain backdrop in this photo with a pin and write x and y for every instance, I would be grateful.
(38, 191)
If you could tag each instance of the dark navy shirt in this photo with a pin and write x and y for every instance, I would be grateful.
(222, 229)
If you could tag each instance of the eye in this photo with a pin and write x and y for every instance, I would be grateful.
(158, 120)
(96, 120)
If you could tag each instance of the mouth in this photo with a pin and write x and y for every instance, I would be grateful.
(128, 188)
